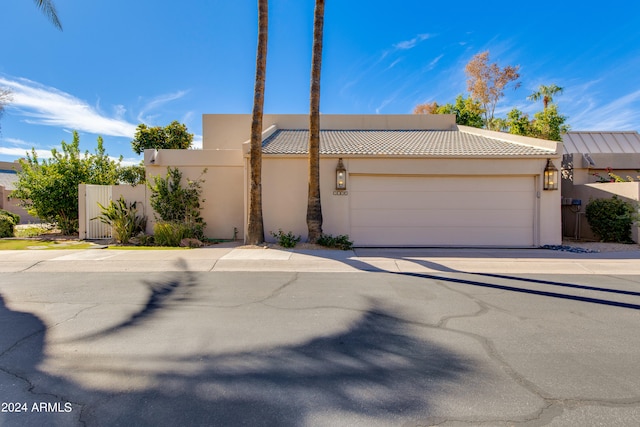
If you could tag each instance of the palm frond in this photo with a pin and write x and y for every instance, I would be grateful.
(49, 9)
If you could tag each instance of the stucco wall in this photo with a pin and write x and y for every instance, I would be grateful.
(222, 189)
(285, 189)
(13, 206)
(629, 191)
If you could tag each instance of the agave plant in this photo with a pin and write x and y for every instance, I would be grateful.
(123, 219)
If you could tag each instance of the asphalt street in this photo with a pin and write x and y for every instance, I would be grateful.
(375, 338)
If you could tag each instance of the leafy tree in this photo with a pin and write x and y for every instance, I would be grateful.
(255, 226)
(467, 110)
(545, 93)
(172, 136)
(486, 83)
(549, 124)
(498, 124)
(132, 175)
(314, 206)
(49, 9)
(428, 108)
(49, 188)
(546, 124)
(518, 123)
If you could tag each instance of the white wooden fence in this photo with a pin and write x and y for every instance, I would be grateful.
(97, 194)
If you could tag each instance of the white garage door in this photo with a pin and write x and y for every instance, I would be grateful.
(442, 211)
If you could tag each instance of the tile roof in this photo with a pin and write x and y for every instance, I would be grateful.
(397, 143)
(8, 178)
(601, 142)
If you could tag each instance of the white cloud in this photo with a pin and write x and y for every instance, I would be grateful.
(394, 63)
(384, 104)
(21, 152)
(435, 61)
(619, 114)
(51, 107)
(410, 44)
(129, 161)
(157, 102)
(19, 142)
(197, 142)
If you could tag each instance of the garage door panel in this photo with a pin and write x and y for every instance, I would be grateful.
(379, 183)
(442, 211)
(438, 218)
(439, 236)
(435, 199)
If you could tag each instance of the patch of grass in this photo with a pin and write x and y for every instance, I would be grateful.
(34, 230)
(25, 244)
(147, 248)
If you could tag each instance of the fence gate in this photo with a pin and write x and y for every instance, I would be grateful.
(97, 194)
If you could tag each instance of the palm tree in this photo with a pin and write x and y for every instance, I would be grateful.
(255, 229)
(5, 98)
(49, 9)
(314, 207)
(546, 94)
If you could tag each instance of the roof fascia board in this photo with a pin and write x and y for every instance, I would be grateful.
(409, 156)
(555, 146)
(246, 146)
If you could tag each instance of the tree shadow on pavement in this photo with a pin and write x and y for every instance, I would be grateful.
(162, 295)
(378, 367)
(22, 350)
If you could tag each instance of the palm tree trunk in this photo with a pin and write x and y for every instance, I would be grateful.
(255, 229)
(314, 207)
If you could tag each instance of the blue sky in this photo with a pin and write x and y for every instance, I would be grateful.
(120, 63)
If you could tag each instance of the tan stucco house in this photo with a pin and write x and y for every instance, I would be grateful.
(8, 180)
(588, 158)
(411, 180)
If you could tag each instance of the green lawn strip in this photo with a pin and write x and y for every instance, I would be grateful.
(146, 248)
(26, 244)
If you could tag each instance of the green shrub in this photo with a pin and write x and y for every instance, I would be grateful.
(611, 219)
(6, 226)
(8, 221)
(288, 240)
(339, 242)
(170, 233)
(15, 217)
(123, 219)
(144, 240)
(173, 202)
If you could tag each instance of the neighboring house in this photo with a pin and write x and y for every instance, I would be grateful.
(8, 179)
(411, 180)
(588, 159)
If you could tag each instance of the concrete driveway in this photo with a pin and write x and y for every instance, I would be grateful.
(227, 336)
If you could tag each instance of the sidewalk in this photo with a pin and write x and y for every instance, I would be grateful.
(229, 257)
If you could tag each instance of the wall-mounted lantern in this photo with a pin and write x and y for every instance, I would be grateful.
(550, 176)
(341, 176)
